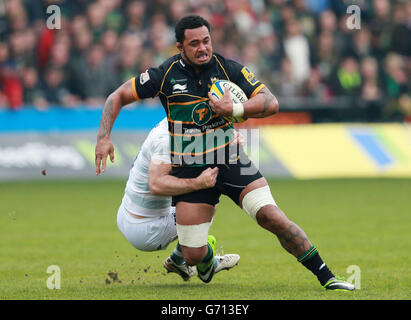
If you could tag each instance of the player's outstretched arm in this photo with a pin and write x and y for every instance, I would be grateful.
(162, 183)
(115, 101)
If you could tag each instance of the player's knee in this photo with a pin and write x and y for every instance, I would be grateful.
(193, 241)
(257, 200)
(193, 236)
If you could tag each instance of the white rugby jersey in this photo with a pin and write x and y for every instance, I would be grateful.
(137, 197)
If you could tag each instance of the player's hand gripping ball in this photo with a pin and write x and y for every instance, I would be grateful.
(237, 95)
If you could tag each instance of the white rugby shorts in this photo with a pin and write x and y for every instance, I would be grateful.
(148, 234)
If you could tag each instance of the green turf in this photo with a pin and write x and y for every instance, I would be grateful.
(72, 224)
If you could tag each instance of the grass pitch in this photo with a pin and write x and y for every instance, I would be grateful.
(72, 224)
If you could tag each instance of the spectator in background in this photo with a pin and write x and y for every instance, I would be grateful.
(243, 17)
(55, 91)
(306, 19)
(129, 58)
(325, 55)
(18, 49)
(251, 57)
(297, 50)
(381, 27)
(60, 53)
(318, 6)
(114, 18)
(404, 107)
(397, 87)
(401, 31)
(4, 54)
(312, 35)
(33, 93)
(178, 9)
(344, 37)
(271, 56)
(347, 78)
(396, 79)
(110, 42)
(96, 14)
(362, 46)
(11, 91)
(16, 16)
(316, 89)
(327, 22)
(79, 24)
(371, 96)
(4, 57)
(285, 85)
(96, 81)
(161, 39)
(82, 40)
(136, 15)
(287, 14)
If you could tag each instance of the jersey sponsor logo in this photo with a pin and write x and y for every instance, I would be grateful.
(249, 76)
(180, 87)
(144, 77)
(201, 113)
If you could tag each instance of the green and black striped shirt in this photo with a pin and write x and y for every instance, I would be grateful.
(196, 132)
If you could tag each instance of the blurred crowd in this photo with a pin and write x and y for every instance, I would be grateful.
(303, 50)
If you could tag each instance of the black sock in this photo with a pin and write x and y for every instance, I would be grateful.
(313, 262)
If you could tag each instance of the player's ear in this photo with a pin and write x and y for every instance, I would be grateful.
(179, 46)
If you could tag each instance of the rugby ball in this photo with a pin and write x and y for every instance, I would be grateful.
(237, 95)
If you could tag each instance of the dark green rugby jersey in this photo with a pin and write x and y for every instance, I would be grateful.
(197, 133)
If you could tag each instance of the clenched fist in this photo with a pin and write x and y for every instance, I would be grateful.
(208, 178)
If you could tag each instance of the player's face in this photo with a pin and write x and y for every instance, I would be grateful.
(196, 48)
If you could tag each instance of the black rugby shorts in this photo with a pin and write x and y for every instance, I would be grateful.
(231, 180)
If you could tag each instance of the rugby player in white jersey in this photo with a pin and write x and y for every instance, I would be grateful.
(146, 216)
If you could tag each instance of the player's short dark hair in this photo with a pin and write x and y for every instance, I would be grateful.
(189, 22)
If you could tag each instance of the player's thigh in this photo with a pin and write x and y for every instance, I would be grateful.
(195, 207)
(164, 231)
(148, 234)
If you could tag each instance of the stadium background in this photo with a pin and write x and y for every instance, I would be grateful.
(345, 112)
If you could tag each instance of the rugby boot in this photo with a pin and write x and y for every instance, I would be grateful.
(183, 270)
(337, 284)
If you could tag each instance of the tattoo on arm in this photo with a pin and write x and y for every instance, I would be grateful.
(106, 119)
(268, 97)
(294, 240)
(119, 98)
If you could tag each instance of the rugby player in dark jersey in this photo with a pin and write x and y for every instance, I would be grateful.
(182, 83)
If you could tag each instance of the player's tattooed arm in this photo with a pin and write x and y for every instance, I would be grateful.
(115, 101)
(269, 99)
(104, 148)
(107, 121)
(262, 105)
